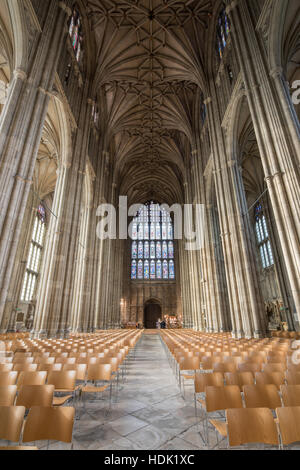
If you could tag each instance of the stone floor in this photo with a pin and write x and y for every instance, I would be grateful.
(150, 413)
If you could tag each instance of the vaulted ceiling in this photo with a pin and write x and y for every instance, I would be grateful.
(150, 75)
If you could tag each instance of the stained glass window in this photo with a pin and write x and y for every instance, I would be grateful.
(133, 269)
(153, 273)
(152, 250)
(165, 270)
(158, 250)
(141, 250)
(165, 250)
(134, 250)
(146, 270)
(158, 270)
(34, 256)
(140, 270)
(223, 29)
(171, 270)
(262, 235)
(156, 257)
(75, 32)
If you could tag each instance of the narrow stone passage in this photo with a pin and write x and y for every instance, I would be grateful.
(150, 413)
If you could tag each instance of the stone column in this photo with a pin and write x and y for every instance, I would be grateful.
(55, 313)
(21, 125)
(277, 136)
(245, 300)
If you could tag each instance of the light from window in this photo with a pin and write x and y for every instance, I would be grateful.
(75, 32)
(262, 235)
(223, 28)
(35, 255)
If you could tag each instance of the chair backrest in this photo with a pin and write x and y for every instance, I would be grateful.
(239, 378)
(79, 368)
(290, 395)
(8, 378)
(11, 422)
(224, 367)
(269, 368)
(32, 378)
(190, 363)
(66, 360)
(248, 426)
(292, 378)
(44, 360)
(99, 372)
(8, 395)
(261, 396)
(6, 367)
(204, 380)
(62, 380)
(22, 360)
(275, 378)
(25, 367)
(50, 423)
(50, 367)
(289, 424)
(35, 395)
(249, 367)
(223, 398)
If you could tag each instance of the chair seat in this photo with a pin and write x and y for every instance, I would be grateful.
(93, 389)
(189, 377)
(220, 426)
(59, 401)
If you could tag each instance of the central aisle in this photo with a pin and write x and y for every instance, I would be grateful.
(150, 413)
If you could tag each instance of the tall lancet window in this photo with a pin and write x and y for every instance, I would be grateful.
(75, 32)
(35, 255)
(152, 244)
(223, 28)
(263, 240)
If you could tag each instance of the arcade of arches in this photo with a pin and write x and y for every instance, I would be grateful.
(165, 102)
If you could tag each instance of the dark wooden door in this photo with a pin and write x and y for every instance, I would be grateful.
(152, 315)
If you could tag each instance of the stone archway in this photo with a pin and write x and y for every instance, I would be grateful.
(152, 313)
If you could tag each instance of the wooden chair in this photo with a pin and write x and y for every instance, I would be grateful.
(290, 395)
(99, 373)
(64, 382)
(8, 378)
(22, 360)
(249, 426)
(35, 395)
(220, 399)
(49, 423)
(8, 395)
(261, 396)
(32, 378)
(275, 378)
(204, 380)
(289, 424)
(11, 422)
